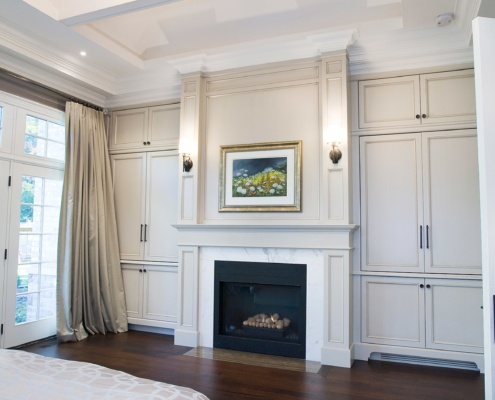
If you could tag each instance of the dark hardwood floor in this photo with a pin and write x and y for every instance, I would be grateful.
(154, 356)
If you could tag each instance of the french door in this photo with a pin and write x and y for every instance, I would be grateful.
(30, 312)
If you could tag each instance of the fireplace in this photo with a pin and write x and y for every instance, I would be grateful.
(260, 307)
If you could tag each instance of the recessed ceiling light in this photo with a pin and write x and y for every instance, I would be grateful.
(82, 53)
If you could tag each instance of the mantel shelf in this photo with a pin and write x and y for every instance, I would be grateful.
(323, 237)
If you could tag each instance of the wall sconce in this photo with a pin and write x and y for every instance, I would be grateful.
(187, 163)
(335, 153)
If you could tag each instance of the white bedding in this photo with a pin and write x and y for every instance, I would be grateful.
(31, 376)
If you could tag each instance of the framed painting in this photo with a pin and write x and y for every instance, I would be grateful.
(260, 177)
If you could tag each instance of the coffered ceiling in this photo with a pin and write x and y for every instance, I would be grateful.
(135, 47)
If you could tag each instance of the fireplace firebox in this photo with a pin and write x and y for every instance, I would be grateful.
(260, 308)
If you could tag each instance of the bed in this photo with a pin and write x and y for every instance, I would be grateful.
(32, 376)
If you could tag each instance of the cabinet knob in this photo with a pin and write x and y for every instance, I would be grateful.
(423, 116)
(428, 286)
(421, 286)
(148, 143)
(144, 270)
(418, 116)
(144, 143)
(140, 270)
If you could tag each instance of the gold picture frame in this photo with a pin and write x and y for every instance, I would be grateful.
(262, 177)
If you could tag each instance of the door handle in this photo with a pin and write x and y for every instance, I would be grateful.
(421, 236)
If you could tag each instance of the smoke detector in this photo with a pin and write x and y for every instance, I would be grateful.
(444, 19)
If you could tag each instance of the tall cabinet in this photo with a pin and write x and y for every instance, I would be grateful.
(145, 176)
(420, 239)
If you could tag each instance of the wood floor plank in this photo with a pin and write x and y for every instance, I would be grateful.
(154, 356)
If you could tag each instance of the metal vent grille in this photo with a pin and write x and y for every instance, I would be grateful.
(433, 362)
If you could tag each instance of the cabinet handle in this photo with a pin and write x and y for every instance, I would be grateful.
(140, 270)
(428, 286)
(144, 143)
(418, 116)
(145, 227)
(141, 233)
(423, 116)
(421, 286)
(144, 270)
(148, 143)
(421, 236)
(427, 237)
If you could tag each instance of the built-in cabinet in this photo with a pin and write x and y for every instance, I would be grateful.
(437, 98)
(440, 314)
(151, 294)
(420, 203)
(145, 128)
(145, 187)
(420, 228)
(145, 168)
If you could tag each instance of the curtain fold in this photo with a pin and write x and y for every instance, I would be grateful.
(90, 296)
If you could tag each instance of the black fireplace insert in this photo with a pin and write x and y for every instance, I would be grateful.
(260, 308)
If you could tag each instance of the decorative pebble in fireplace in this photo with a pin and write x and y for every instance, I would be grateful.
(260, 308)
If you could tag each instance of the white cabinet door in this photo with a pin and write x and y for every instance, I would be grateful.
(391, 102)
(454, 317)
(448, 97)
(393, 311)
(164, 125)
(129, 129)
(129, 180)
(162, 205)
(133, 289)
(160, 293)
(391, 203)
(452, 204)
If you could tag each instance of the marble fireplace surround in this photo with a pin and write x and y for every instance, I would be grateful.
(325, 249)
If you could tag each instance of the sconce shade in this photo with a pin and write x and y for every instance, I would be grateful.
(335, 154)
(187, 163)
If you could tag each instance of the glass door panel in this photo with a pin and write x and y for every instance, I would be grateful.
(32, 271)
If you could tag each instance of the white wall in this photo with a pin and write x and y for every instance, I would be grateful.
(484, 61)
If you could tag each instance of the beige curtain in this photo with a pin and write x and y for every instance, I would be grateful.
(90, 296)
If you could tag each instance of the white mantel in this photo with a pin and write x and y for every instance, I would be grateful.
(325, 249)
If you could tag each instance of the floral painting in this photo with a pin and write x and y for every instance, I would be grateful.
(260, 177)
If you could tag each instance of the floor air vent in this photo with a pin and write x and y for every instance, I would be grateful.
(432, 362)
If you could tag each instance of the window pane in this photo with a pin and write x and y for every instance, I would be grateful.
(29, 248)
(47, 304)
(49, 248)
(27, 308)
(35, 146)
(28, 278)
(48, 276)
(55, 151)
(50, 219)
(53, 192)
(56, 132)
(36, 126)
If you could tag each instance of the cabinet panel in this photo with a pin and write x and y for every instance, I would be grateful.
(389, 102)
(129, 128)
(452, 210)
(448, 97)
(129, 178)
(162, 205)
(164, 125)
(133, 290)
(160, 289)
(454, 317)
(393, 311)
(391, 199)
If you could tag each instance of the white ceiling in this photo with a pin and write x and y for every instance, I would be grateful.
(137, 48)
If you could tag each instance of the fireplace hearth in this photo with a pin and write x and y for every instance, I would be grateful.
(260, 307)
